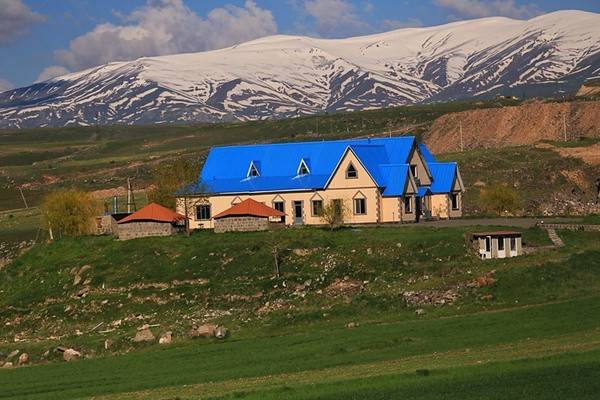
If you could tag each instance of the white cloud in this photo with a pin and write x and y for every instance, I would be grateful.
(391, 24)
(167, 27)
(16, 19)
(5, 85)
(51, 72)
(487, 8)
(336, 18)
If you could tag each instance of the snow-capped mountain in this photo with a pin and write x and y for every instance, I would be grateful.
(284, 76)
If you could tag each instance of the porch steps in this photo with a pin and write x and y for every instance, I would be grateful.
(555, 238)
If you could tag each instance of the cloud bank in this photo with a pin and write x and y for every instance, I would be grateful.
(15, 20)
(483, 8)
(167, 27)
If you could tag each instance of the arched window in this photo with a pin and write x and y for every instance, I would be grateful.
(351, 172)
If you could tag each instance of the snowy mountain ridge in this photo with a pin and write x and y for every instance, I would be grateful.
(285, 76)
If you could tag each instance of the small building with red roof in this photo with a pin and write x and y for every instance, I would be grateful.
(248, 215)
(152, 220)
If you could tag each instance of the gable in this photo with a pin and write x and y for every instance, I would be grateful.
(338, 179)
(423, 173)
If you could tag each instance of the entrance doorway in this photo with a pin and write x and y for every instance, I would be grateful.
(297, 205)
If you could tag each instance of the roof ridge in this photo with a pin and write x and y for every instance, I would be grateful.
(311, 142)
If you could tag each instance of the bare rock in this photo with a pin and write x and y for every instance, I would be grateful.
(206, 330)
(12, 354)
(71, 354)
(352, 325)
(144, 334)
(23, 359)
(221, 332)
(7, 364)
(166, 338)
(108, 344)
(420, 311)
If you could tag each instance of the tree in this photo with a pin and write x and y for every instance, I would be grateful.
(333, 213)
(69, 212)
(499, 199)
(169, 177)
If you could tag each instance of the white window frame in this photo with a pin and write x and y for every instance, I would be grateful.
(350, 165)
(312, 207)
(251, 168)
(364, 206)
(201, 206)
(302, 164)
(410, 204)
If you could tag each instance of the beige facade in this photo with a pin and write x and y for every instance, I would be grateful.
(361, 197)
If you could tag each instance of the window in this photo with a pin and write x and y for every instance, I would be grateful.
(317, 208)
(360, 206)
(500, 244)
(278, 205)
(302, 168)
(351, 172)
(252, 171)
(203, 212)
(513, 244)
(413, 171)
(488, 246)
(408, 204)
(454, 199)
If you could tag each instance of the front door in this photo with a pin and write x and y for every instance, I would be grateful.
(297, 212)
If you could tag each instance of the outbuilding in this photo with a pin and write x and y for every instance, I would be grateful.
(497, 244)
(152, 220)
(248, 215)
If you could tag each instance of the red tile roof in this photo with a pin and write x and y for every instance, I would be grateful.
(250, 207)
(153, 212)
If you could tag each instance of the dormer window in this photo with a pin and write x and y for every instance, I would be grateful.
(351, 172)
(252, 170)
(303, 168)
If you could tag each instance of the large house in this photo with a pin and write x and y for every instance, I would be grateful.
(377, 180)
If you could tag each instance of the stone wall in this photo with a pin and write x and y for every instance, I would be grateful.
(134, 230)
(241, 224)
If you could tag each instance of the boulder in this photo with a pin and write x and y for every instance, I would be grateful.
(12, 355)
(352, 325)
(166, 338)
(7, 364)
(71, 354)
(144, 334)
(23, 359)
(108, 344)
(221, 332)
(206, 330)
(419, 311)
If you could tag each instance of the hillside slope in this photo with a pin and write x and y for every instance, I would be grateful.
(288, 76)
(514, 126)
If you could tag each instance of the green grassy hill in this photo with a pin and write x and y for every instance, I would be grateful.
(536, 318)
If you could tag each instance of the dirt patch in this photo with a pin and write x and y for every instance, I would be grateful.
(590, 155)
(514, 126)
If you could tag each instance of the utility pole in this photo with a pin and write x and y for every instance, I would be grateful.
(23, 197)
(462, 144)
(130, 198)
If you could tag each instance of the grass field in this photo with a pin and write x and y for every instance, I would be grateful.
(524, 334)
(548, 351)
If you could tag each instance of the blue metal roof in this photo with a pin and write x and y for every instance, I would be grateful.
(427, 156)
(396, 177)
(226, 168)
(443, 176)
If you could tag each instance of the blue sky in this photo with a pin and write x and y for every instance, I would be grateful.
(44, 38)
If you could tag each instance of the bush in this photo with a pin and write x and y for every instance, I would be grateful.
(499, 200)
(69, 213)
(333, 213)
